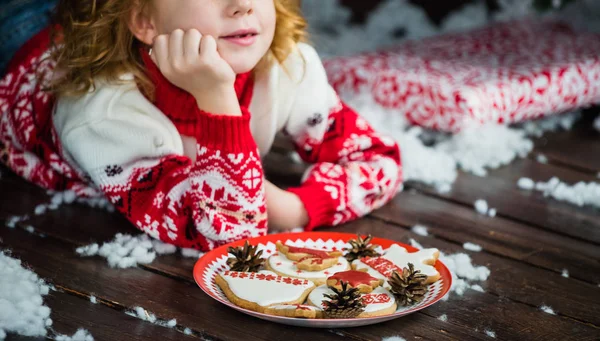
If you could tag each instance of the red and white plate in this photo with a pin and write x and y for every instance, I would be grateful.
(214, 262)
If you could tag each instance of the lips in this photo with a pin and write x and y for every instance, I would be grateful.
(244, 37)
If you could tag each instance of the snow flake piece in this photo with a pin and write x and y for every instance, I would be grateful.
(547, 310)
(443, 318)
(420, 230)
(481, 206)
(472, 247)
(490, 333)
(393, 338)
(80, 335)
(526, 184)
(565, 273)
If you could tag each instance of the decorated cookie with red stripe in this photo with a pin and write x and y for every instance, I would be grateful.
(377, 303)
(309, 259)
(395, 258)
(262, 290)
(355, 279)
(284, 266)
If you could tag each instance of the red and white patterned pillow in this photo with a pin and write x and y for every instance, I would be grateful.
(504, 73)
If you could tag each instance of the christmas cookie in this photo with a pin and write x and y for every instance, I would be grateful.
(396, 258)
(349, 303)
(309, 259)
(258, 291)
(355, 279)
(295, 310)
(284, 266)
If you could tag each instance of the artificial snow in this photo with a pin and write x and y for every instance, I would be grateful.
(393, 338)
(191, 253)
(526, 184)
(420, 230)
(541, 158)
(472, 247)
(145, 315)
(490, 333)
(597, 123)
(477, 287)
(547, 310)
(93, 299)
(12, 222)
(443, 318)
(80, 335)
(487, 146)
(580, 194)
(552, 123)
(492, 212)
(22, 309)
(565, 273)
(481, 206)
(462, 270)
(187, 331)
(124, 251)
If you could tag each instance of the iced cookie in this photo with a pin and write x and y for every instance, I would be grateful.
(356, 279)
(309, 259)
(257, 291)
(295, 310)
(377, 303)
(396, 258)
(283, 266)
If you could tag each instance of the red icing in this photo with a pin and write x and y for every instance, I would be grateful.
(315, 253)
(375, 298)
(265, 277)
(301, 307)
(381, 265)
(353, 277)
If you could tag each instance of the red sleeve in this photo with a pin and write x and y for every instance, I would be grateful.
(355, 171)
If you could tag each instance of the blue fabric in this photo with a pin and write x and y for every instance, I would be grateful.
(19, 21)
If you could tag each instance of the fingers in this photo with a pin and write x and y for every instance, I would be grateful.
(176, 47)
(160, 51)
(208, 47)
(191, 44)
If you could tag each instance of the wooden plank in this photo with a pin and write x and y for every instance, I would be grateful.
(167, 298)
(500, 190)
(69, 313)
(515, 281)
(499, 236)
(578, 148)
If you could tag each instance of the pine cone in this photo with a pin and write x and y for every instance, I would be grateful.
(360, 248)
(245, 259)
(409, 286)
(343, 303)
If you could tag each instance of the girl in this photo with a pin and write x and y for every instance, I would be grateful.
(166, 107)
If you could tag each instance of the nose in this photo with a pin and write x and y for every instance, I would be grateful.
(239, 8)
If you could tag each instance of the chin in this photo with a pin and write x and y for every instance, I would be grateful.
(242, 66)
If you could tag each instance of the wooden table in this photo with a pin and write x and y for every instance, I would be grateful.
(526, 246)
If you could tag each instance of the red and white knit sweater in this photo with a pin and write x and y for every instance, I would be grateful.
(115, 142)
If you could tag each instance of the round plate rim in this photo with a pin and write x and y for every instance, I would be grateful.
(203, 261)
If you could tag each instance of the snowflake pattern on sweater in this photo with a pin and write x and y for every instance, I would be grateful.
(218, 198)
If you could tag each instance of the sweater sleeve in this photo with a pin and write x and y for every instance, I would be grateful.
(355, 169)
(217, 199)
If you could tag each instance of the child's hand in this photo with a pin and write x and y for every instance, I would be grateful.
(284, 209)
(191, 61)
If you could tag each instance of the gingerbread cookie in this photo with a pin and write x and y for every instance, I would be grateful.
(355, 279)
(396, 258)
(309, 259)
(284, 266)
(295, 310)
(258, 291)
(377, 303)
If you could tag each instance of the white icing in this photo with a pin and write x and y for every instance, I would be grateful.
(264, 292)
(400, 257)
(287, 267)
(362, 266)
(318, 295)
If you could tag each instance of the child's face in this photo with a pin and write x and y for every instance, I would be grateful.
(222, 19)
